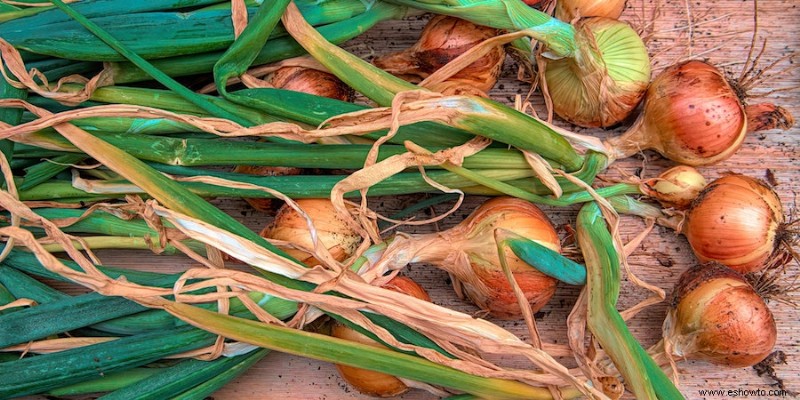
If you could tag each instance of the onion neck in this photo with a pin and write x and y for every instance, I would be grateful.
(766, 116)
(633, 141)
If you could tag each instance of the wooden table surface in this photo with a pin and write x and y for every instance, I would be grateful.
(720, 32)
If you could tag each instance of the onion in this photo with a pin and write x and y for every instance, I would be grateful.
(676, 188)
(691, 115)
(443, 39)
(567, 10)
(370, 382)
(311, 81)
(602, 85)
(716, 316)
(469, 252)
(332, 231)
(766, 116)
(736, 221)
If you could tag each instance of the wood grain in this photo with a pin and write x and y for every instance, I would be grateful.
(721, 33)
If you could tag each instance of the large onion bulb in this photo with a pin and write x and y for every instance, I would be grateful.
(736, 221)
(469, 252)
(716, 316)
(601, 85)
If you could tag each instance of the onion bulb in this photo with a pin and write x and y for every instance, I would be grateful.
(311, 81)
(716, 316)
(602, 84)
(736, 221)
(370, 382)
(443, 39)
(677, 187)
(567, 10)
(691, 115)
(469, 252)
(332, 231)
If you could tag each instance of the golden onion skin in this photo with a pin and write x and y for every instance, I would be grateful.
(602, 85)
(676, 187)
(716, 316)
(332, 230)
(567, 10)
(736, 221)
(483, 280)
(312, 81)
(370, 382)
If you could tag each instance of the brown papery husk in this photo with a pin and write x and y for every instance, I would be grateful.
(602, 84)
(567, 10)
(691, 115)
(767, 116)
(331, 229)
(370, 382)
(443, 39)
(716, 316)
(469, 252)
(736, 221)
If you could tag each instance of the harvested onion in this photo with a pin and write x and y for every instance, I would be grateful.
(567, 10)
(677, 187)
(311, 81)
(443, 39)
(736, 221)
(716, 316)
(370, 382)
(601, 86)
(332, 231)
(469, 252)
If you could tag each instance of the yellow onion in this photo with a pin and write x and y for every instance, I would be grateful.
(736, 221)
(691, 115)
(259, 203)
(603, 84)
(716, 316)
(443, 39)
(311, 81)
(332, 231)
(677, 187)
(567, 10)
(370, 382)
(469, 252)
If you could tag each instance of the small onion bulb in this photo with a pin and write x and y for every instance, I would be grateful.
(716, 316)
(567, 10)
(311, 81)
(332, 231)
(370, 382)
(676, 187)
(736, 221)
(469, 252)
(606, 80)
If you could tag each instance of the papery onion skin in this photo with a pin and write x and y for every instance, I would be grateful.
(767, 116)
(716, 316)
(736, 221)
(312, 81)
(676, 187)
(691, 115)
(567, 10)
(602, 85)
(332, 230)
(483, 280)
(370, 382)
(443, 39)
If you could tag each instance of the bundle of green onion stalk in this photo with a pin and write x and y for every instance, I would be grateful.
(147, 152)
